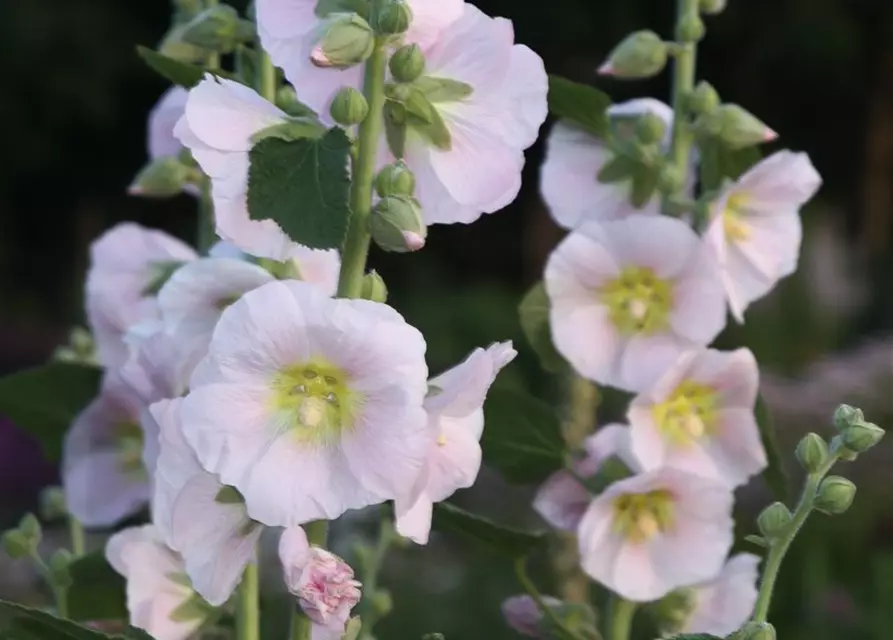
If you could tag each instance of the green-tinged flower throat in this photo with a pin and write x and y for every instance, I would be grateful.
(638, 301)
(638, 517)
(688, 414)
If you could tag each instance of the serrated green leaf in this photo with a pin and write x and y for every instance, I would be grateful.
(45, 400)
(180, 73)
(522, 437)
(534, 315)
(579, 104)
(24, 623)
(302, 185)
(503, 540)
(643, 186)
(774, 474)
(97, 592)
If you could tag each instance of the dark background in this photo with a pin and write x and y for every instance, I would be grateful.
(820, 72)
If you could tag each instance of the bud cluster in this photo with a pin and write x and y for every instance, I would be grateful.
(855, 435)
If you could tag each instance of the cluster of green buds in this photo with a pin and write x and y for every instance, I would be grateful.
(80, 349)
(24, 542)
(166, 176)
(397, 223)
(347, 39)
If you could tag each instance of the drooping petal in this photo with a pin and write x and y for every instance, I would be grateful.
(724, 604)
(413, 518)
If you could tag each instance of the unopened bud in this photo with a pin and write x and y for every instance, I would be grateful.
(52, 502)
(691, 29)
(862, 436)
(650, 128)
(407, 63)
(218, 28)
(704, 99)
(641, 55)
(712, 7)
(395, 180)
(839, 448)
(173, 46)
(670, 179)
(774, 519)
(374, 288)
(60, 565)
(393, 18)
(739, 128)
(287, 100)
(755, 631)
(349, 107)
(812, 452)
(845, 416)
(382, 603)
(161, 178)
(30, 528)
(17, 545)
(397, 224)
(347, 40)
(835, 495)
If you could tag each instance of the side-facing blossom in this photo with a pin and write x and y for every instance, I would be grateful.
(722, 605)
(628, 296)
(309, 405)
(159, 598)
(699, 417)
(755, 232)
(657, 531)
(455, 407)
(205, 522)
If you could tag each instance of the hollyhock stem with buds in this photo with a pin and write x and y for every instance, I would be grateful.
(301, 626)
(248, 605)
(622, 612)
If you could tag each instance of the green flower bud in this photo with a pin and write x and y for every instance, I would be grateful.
(838, 447)
(641, 55)
(52, 499)
(30, 528)
(395, 180)
(650, 129)
(738, 128)
(670, 179)
(17, 545)
(712, 7)
(287, 100)
(161, 178)
(173, 46)
(862, 436)
(349, 107)
(218, 28)
(774, 520)
(407, 63)
(393, 18)
(382, 603)
(755, 631)
(845, 416)
(704, 99)
(347, 41)
(60, 564)
(835, 495)
(812, 452)
(397, 224)
(691, 29)
(374, 288)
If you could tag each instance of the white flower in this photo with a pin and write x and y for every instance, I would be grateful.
(124, 263)
(755, 231)
(169, 108)
(569, 176)
(456, 419)
(629, 296)
(699, 417)
(159, 597)
(654, 532)
(308, 405)
(722, 605)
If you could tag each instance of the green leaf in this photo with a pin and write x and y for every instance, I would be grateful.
(774, 474)
(579, 104)
(45, 400)
(23, 623)
(617, 169)
(180, 73)
(443, 89)
(98, 592)
(522, 438)
(534, 314)
(719, 163)
(759, 541)
(424, 118)
(302, 185)
(644, 185)
(503, 540)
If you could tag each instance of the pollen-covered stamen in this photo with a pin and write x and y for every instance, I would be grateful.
(735, 227)
(688, 414)
(639, 301)
(639, 517)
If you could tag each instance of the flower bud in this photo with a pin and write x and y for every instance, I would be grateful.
(395, 180)
(774, 519)
(374, 288)
(17, 545)
(173, 46)
(397, 224)
(691, 29)
(218, 28)
(835, 495)
(650, 128)
(393, 18)
(712, 7)
(812, 452)
(641, 55)
(739, 128)
(755, 631)
(161, 178)
(347, 40)
(52, 499)
(670, 179)
(60, 565)
(349, 107)
(704, 99)
(382, 603)
(845, 416)
(407, 63)
(862, 436)
(839, 448)
(30, 528)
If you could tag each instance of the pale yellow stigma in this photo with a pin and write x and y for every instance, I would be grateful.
(441, 440)
(312, 411)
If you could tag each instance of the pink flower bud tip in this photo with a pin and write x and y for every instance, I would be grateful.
(607, 69)
(135, 190)
(319, 58)
(769, 135)
(413, 240)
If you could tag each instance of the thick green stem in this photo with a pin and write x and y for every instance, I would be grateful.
(76, 532)
(359, 235)
(622, 612)
(248, 605)
(207, 232)
(524, 580)
(301, 626)
(266, 76)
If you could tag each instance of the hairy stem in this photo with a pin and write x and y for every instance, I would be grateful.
(248, 605)
(301, 625)
(622, 612)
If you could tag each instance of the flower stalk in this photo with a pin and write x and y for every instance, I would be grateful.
(527, 584)
(622, 612)
(248, 605)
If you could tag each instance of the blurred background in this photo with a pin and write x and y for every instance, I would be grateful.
(820, 72)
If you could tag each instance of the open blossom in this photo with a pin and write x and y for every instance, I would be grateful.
(523, 614)
(197, 516)
(124, 263)
(309, 405)
(456, 419)
(323, 583)
(159, 598)
(628, 296)
(699, 417)
(654, 532)
(562, 499)
(755, 232)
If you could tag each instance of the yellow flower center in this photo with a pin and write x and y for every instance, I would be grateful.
(639, 517)
(688, 414)
(737, 230)
(129, 448)
(638, 301)
(441, 440)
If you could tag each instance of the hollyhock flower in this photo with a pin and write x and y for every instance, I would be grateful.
(569, 176)
(309, 405)
(323, 583)
(124, 264)
(699, 417)
(524, 616)
(755, 231)
(103, 465)
(455, 410)
(169, 108)
(197, 516)
(156, 367)
(654, 532)
(629, 296)
(159, 598)
(562, 499)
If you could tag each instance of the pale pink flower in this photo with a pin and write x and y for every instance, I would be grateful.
(524, 616)
(755, 232)
(629, 296)
(156, 367)
(455, 407)
(309, 405)
(655, 532)
(722, 605)
(699, 417)
(161, 141)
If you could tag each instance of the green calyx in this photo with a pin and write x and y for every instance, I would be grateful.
(346, 40)
(414, 107)
(229, 495)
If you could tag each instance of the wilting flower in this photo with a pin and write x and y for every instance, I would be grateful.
(524, 615)
(308, 405)
(756, 231)
(323, 583)
(197, 516)
(456, 419)
(699, 417)
(159, 597)
(629, 296)
(654, 532)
